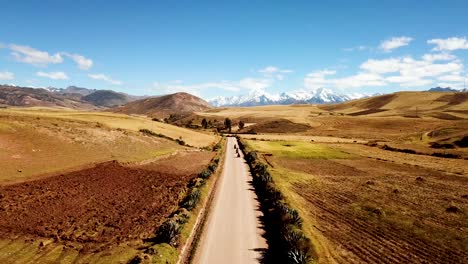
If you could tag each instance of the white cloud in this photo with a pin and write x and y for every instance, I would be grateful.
(357, 48)
(409, 66)
(252, 83)
(394, 43)
(273, 69)
(37, 57)
(82, 62)
(408, 81)
(322, 73)
(403, 71)
(274, 72)
(449, 44)
(33, 56)
(456, 77)
(53, 75)
(438, 57)
(231, 86)
(381, 66)
(318, 79)
(105, 78)
(6, 75)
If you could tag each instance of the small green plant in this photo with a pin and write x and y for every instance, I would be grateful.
(169, 232)
(251, 156)
(192, 199)
(212, 167)
(217, 147)
(241, 124)
(180, 142)
(297, 256)
(205, 174)
(204, 123)
(182, 216)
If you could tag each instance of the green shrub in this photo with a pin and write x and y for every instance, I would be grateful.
(169, 232)
(217, 147)
(148, 132)
(294, 218)
(182, 216)
(180, 142)
(205, 174)
(212, 167)
(251, 156)
(192, 199)
(297, 256)
(260, 168)
(197, 183)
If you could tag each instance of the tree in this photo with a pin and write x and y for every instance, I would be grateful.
(241, 124)
(227, 124)
(204, 123)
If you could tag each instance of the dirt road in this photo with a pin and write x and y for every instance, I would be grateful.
(232, 233)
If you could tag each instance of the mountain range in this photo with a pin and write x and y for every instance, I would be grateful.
(315, 96)
(261, 97)
(85, 98)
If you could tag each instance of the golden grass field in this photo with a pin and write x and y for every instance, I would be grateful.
(373, 206)
(43, 141)
(121, 121)
(39, 141)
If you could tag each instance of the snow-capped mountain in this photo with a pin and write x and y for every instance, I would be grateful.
(261, 97)
(71, 90)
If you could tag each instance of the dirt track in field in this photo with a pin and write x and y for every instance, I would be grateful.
(383, 212)
(103, 205)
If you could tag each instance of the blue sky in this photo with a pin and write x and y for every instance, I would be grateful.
(213, 48)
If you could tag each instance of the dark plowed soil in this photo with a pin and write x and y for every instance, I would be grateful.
(105, 204)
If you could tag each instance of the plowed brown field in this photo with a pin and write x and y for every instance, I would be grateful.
(374, 211)
(99, 206)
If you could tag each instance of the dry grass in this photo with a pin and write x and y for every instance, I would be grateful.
(112, 120)
(377, 207)
(34, 145)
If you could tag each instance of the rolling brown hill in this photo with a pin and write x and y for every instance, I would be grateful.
(163, 106)
(441, 105)
(19, 96)
(107, 98)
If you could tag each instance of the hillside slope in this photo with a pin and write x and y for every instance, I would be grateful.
(162, 106)
(107, 98)
(442, 105)
(19, 96)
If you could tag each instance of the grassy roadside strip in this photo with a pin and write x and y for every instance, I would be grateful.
(177, 235)
(287, 242)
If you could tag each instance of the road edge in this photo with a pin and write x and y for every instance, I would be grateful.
(191, 244)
